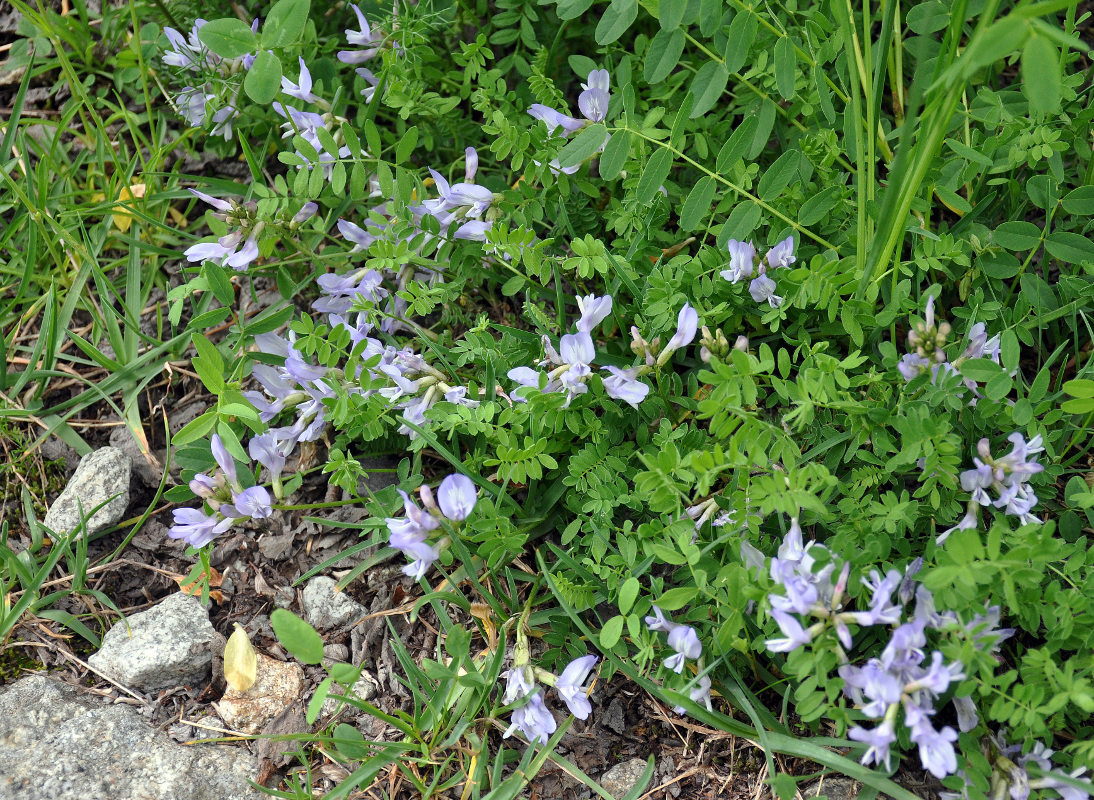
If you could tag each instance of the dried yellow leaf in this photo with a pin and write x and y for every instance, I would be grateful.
(122, 218)
(240, 661)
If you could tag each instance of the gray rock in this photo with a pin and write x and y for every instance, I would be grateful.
(57, 743)
(364, 688)
(148, 472)
(325, 608)
(100, 476)
(168, 645)
(835, 787)
(621, 778)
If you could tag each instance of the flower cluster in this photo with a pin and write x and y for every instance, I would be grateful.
(463, 203)
(1007, 476)
(225, 495)
(1011, 774)
(194, 102)
(534, 719)
(410, 534)
(239, 247)
(927, 340)
(684, 640)
(745, 264)
(593, 105)
(903, 677)
(570, 366)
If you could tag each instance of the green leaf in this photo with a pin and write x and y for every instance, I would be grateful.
(1079, 201)
(653, 176)
(981, 369)
(298, 637)
(406, 145)
(611, 632)
(618, 16)
(786, 61)
(628, 592)
(572, 9)
(778, 176)
(742, 32)
(707, 87)
(350, 742)
(663, 55)
(1080, 405)
(1018, 235)
(677, 598)
(581, 65)
(263, 80)
(285, 22)
(670, 13)
(737, 144)
(817, 207)
(697, 204)
(616, 153)
(584, 146)
(208, 363)
(1041, 75)
(195, 429)
(1071, 248)
(1080, 387)
(228, 38)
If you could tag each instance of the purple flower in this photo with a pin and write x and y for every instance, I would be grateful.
(360, 238)
(687, 322)
(794, 634)
(570, 686)
(224, 459)
(301, 90)
(624, 385)
(593, 102)
(700, 694)
(253, 502)
(685, 641)
(879, 739)
(782, 254)
(658, 622)
(264, 449)
(517, 686)
(204, 486)
(533, 720)
(762, 289)
(370, 39)
(742, 261)
(187, 54)
(457, 496)
(555, 119)
(936, 751)
(593, 311)
(197, 528)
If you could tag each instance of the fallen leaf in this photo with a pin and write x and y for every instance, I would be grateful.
(240, 661)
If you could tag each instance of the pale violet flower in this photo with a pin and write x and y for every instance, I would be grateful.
(570, 686)
(534, 720)
(457, 496)
(302, 89)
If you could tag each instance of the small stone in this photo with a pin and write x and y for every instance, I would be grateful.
(100, 476)
(59, 743)
(621, 778)
(326, 608)
(364, 688)
(278, 684)
(167, 645)
(835, 787)
(335, 652)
